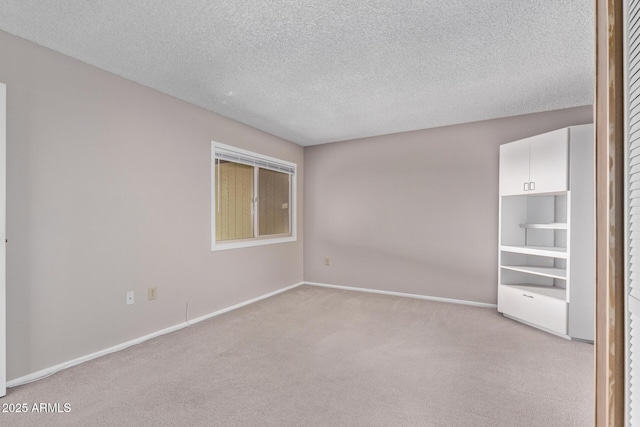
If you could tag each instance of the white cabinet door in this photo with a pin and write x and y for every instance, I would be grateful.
(547, 312)
(548, 162)
(514, 167)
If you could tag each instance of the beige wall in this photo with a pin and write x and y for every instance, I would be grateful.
(415, 212)
(109, 191)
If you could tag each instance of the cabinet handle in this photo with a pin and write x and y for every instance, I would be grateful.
(532, 185)
(527, 296)
(526, 186)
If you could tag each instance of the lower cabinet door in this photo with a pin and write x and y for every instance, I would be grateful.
(541, 310)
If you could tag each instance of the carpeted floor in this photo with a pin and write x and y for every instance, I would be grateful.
(324, 357)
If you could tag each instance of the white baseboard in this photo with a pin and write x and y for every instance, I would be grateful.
(54, 369)
(400, 294)
(242, 304)
(43, 373)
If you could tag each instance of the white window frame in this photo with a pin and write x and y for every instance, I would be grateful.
(256, 240)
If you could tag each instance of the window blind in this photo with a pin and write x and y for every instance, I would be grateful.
(224, 154)
(632, 152)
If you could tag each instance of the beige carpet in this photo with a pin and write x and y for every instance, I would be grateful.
(323, 357)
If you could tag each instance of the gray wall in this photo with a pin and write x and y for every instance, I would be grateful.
(108, 191)
(415, 212)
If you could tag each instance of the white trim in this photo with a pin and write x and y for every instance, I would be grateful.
(54, 369)
(247, 153)
(43, 373)
(242, 304)
(256, 240)
(250, 242)
(401, 294)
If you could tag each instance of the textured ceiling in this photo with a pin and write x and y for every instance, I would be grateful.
(315, 71)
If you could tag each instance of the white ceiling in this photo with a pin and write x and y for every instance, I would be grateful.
(316, 71)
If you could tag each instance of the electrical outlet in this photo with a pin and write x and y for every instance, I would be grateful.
(152, 293)
(327, 261)
(130, 298)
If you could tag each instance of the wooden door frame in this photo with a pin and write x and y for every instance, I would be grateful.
(610, 252)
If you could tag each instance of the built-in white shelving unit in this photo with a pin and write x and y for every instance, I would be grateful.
(547, 231)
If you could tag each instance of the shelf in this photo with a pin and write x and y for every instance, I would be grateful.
(556, 273)
(549, 291)
(547, 226)
(548, 251)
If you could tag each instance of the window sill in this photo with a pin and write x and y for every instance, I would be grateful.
(222, 246)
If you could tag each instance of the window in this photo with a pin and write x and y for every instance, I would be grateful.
(253, 199)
